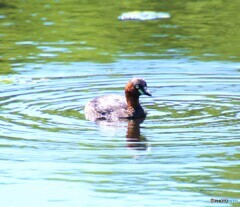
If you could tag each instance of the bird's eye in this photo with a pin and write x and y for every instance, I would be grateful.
(137, 86)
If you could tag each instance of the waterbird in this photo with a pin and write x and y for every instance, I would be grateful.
(112, 107)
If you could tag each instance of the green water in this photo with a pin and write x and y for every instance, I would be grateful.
(66, 31)
(57, 55)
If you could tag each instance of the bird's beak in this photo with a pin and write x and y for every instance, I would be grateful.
(147, 93)
(144, 92)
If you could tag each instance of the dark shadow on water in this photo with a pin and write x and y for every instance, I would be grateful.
(135, 141)
(134, 138)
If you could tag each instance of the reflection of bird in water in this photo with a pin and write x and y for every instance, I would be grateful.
(134, 139)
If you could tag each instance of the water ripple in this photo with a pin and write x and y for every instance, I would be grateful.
(189, 141)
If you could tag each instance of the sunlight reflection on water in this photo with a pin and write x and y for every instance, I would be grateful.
(187, 144)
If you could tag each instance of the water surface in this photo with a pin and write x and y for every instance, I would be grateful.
(58, 55)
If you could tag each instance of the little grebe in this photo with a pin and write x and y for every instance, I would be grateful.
(114, 107)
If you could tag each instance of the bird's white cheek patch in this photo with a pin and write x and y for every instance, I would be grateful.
(140, 91)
